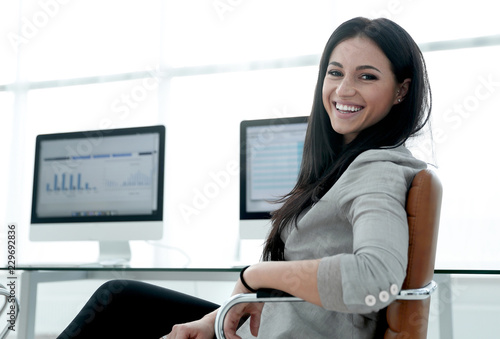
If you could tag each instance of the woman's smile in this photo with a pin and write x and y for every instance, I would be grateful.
(347, 110)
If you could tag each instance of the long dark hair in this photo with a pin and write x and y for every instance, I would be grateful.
(325, 157)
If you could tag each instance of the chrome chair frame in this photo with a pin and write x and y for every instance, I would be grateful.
(266, 295)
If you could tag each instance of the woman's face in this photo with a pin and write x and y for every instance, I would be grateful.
(359, 88)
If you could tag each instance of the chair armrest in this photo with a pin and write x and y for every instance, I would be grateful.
(262, 295)
(418, 293)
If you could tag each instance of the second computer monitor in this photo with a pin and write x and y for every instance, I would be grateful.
(270, 159)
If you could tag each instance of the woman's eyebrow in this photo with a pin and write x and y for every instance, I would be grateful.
(335, 63)
(359, 68)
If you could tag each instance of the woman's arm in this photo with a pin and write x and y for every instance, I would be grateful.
(298, 278)
(295, 277)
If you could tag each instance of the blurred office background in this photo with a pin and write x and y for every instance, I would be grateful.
(200, 67)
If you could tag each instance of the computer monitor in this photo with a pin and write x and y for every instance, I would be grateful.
(270, 158)
(102, 185)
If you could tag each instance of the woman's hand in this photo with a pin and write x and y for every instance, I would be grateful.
(239, 311)
(199, 329)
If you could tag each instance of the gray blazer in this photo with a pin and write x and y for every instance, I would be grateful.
(359, 230)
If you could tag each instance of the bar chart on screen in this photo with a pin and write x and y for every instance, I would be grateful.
(68, 182)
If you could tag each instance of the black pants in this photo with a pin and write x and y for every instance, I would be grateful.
(133, 309)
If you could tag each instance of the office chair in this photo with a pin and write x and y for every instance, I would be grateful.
(11, 312)
(407, 316)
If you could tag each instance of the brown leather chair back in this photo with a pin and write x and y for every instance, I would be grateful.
(409, 318)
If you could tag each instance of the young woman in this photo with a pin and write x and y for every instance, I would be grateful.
(340, 240)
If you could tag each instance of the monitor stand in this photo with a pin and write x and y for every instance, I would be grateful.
(114, 253)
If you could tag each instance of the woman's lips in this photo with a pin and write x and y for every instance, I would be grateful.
(345, 109)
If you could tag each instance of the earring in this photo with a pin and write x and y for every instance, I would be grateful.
(399, 100)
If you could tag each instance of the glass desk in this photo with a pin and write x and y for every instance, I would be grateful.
(31, 276)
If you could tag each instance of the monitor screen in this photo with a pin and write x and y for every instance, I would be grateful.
(270, 159)
(107, 175)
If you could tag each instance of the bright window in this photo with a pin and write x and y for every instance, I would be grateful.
(88, 38)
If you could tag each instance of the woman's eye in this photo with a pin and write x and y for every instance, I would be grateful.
(368, 77)
(334, 73)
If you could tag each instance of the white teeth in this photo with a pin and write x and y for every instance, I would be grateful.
(347, 108)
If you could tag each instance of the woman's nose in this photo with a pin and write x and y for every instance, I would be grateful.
(346, 88)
